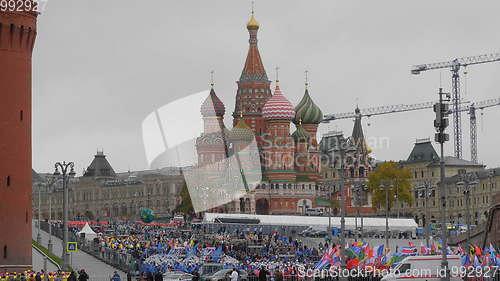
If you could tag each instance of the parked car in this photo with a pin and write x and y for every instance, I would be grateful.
(177, 276)
(314, 212)
(224, 275)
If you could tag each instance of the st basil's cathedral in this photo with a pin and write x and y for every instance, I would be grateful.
(290, 163)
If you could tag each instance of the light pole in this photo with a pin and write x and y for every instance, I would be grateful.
(466, 182)
(65, 173)
(386, 186)
(342, 148)
(39, 236)
(440, 123)
(425, 193)
(358, 191)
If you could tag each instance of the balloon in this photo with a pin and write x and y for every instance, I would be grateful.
(147, 215)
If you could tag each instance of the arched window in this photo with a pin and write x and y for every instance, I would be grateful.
(5, 251)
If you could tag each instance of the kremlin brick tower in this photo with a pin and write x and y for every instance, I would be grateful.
(290, 163)
(17, 38)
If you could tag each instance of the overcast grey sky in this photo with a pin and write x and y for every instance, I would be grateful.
(100, 67)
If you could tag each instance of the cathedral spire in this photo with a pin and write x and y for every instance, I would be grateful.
(253, 69)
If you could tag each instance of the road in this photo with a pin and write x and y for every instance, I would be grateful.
(38, 262)
(96, 269)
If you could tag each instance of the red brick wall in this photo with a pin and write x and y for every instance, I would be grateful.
(17, 38)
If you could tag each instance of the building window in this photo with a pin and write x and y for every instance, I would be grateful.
(415, 174)
(422, 173)
(8, 180)
(21, 115)
(5, 251)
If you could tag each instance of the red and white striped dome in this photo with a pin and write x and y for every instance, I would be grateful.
(278, 107)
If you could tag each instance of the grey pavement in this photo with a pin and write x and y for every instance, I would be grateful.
(96, 269)
(38, 263)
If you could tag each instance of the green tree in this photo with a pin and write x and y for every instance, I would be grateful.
(390, 174)
(186, 205)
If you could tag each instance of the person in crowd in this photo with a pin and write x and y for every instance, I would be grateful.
(263, 274)
(72, 276)
(116, 277)
(158, 276)
(83, 276)
(234, 275)
(129, 276)
(196, 277)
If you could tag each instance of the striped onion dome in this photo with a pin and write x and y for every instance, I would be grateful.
(300, 135)
(307, 111)
(241, 132)
(278, 107)
(212, 106)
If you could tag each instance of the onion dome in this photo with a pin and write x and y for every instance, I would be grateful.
(307, 111)
(253, 23)
(278, 107)
(241, 132)
(300, 135)
(212, 106)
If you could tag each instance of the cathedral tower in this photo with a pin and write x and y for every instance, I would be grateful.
(278, 146)
(253, 86)
(308, 115)
(17, 38)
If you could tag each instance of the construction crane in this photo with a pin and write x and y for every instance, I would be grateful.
(471, 109)
(380, 110)
(454, 66)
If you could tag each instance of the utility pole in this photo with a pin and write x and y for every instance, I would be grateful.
(65, 174)
(425, 194)
(342, 149)
(39, 236)
(466, 181)
(440, 123)
(386, 186)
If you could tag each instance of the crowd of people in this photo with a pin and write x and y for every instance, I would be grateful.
(45, 276)
(156, 250)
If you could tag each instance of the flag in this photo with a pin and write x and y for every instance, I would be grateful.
(380, 250)
(409, 251)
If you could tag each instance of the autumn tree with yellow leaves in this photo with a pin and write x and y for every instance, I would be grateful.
(390, 174)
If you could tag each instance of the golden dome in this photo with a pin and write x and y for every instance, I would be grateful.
(369, 149)
(253, 23)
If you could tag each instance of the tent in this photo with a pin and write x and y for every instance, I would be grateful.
(369, 223)
(87, 232)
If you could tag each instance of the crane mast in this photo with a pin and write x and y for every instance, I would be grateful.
(455, 66)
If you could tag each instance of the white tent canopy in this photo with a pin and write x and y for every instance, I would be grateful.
(88, 232)
(369, 223)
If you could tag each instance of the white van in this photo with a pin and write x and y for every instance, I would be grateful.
(425, 268)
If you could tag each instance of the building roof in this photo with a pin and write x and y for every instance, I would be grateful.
(479, 175)
(423, 151)
(357, 133)
(300, 135)
(212, 106)
(451, 161)
(254, 68)
(278, 107)
(307, 111)
(35, 177)
(99, 167)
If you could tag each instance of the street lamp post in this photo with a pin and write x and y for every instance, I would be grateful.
(65, 173)
(39, 236)
(342, 202)
(386, 186)
(426, 194)
(358, 191)
(466, 181)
